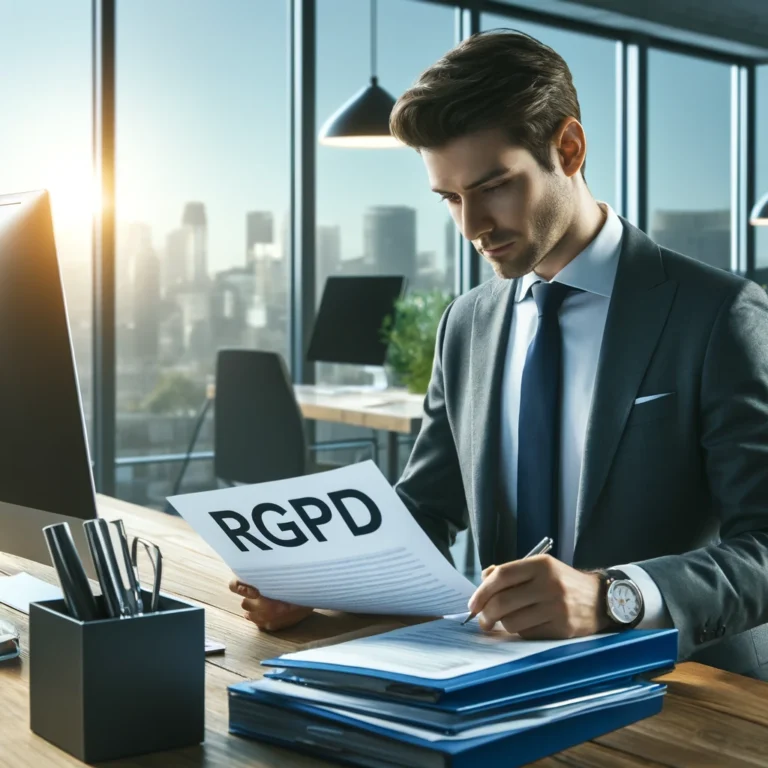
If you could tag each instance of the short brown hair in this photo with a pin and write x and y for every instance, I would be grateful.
(501, 78)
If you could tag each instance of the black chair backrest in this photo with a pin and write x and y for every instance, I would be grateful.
(258, 428)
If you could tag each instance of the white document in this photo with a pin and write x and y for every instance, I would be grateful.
(436, 650)
(22, 589)
(340, 540)
(504, 726)
(396, 712)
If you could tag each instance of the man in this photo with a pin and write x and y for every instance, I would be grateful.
(601, 389)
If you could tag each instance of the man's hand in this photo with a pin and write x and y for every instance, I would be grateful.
(265, 613)
(540, 598)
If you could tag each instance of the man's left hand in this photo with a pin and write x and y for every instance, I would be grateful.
(540, 598)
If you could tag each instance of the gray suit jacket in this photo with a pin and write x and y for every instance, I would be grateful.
(678, 485)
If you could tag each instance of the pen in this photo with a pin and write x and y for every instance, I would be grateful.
(69, 568)
(540, 549)
(103, 556)
(133, 592)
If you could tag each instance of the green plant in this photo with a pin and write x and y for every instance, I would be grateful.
(411, 332)
(175, 393)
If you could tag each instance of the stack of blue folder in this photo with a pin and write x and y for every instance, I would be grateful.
(510, 713)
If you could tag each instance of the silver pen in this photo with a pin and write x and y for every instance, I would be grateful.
(133, 591)
(540, 549)
(103, 555)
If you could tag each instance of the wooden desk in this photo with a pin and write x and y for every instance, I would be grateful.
(710, 718)
(395, 411)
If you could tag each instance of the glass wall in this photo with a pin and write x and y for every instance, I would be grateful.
(202, 195)
(45, 142)
(761, 175)
(376, 214)
(592, 61)
(689, 163)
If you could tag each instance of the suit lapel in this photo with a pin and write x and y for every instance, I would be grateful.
(490, 335)
(640, 303)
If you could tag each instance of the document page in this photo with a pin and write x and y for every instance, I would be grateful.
(435, 650)
(341, 540)
(22, 589)
(509, 726)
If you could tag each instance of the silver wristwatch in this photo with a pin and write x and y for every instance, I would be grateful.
(623, 599)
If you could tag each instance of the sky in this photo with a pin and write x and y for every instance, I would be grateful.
(202, 114)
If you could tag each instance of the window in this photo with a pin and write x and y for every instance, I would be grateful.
(376, 213)
(689, 145)
(202, 195)
(45, 142)
(592, 61)
(761, 175)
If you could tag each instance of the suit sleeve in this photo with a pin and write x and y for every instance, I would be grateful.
(722, 589)
(431, 486)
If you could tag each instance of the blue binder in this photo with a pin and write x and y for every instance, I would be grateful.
(359, 739)
(621, 656)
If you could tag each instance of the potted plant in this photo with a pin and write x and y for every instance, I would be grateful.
(410, 332)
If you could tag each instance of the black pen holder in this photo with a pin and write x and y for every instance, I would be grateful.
(113, 688)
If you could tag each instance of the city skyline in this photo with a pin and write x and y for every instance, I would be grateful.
(159, 170)
(202, 118)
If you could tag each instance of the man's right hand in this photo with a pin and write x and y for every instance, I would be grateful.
(266, 613)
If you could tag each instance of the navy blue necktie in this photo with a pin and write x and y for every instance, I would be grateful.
(538, 436)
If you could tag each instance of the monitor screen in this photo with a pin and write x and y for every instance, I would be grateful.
(350, 318)
(45, 467)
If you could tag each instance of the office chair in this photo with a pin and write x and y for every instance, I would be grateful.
(258, 426)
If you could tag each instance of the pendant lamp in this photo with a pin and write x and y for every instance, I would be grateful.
(363, 121)
(759, 215)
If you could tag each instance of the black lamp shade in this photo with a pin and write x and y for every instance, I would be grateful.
(759, 215)
(362, 121)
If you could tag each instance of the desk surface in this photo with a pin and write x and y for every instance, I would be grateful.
(710, 718)
(393, 410)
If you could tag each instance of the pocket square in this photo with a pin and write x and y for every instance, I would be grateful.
(648, 398)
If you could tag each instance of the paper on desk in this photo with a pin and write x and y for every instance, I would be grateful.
(436, 650)
(22, 589)
(340, 539)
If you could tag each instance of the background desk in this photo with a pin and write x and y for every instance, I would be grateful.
(394, 411)
(710, 718)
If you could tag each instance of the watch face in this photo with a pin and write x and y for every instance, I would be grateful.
(624, 602)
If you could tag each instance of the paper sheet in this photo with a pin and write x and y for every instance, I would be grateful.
(424, 717)
(537, 720)
(341, 540)
(22, 589)
(436, 650)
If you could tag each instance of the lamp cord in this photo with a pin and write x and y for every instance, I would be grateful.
(373, 39)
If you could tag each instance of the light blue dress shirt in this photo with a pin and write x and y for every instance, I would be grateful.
(582, 321)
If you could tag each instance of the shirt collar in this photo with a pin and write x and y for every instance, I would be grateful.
(594, 269)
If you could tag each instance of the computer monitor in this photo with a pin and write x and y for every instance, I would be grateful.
(350, 318)
(45, 469)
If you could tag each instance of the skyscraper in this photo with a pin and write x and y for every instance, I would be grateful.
(328, 254)
(134, 238)
(389, 239)
(259, 229)
(451, 247)
(195, 223)
(704, 235)
(175, 266)
(146, 304)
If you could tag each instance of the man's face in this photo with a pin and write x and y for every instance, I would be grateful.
(519, 207)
